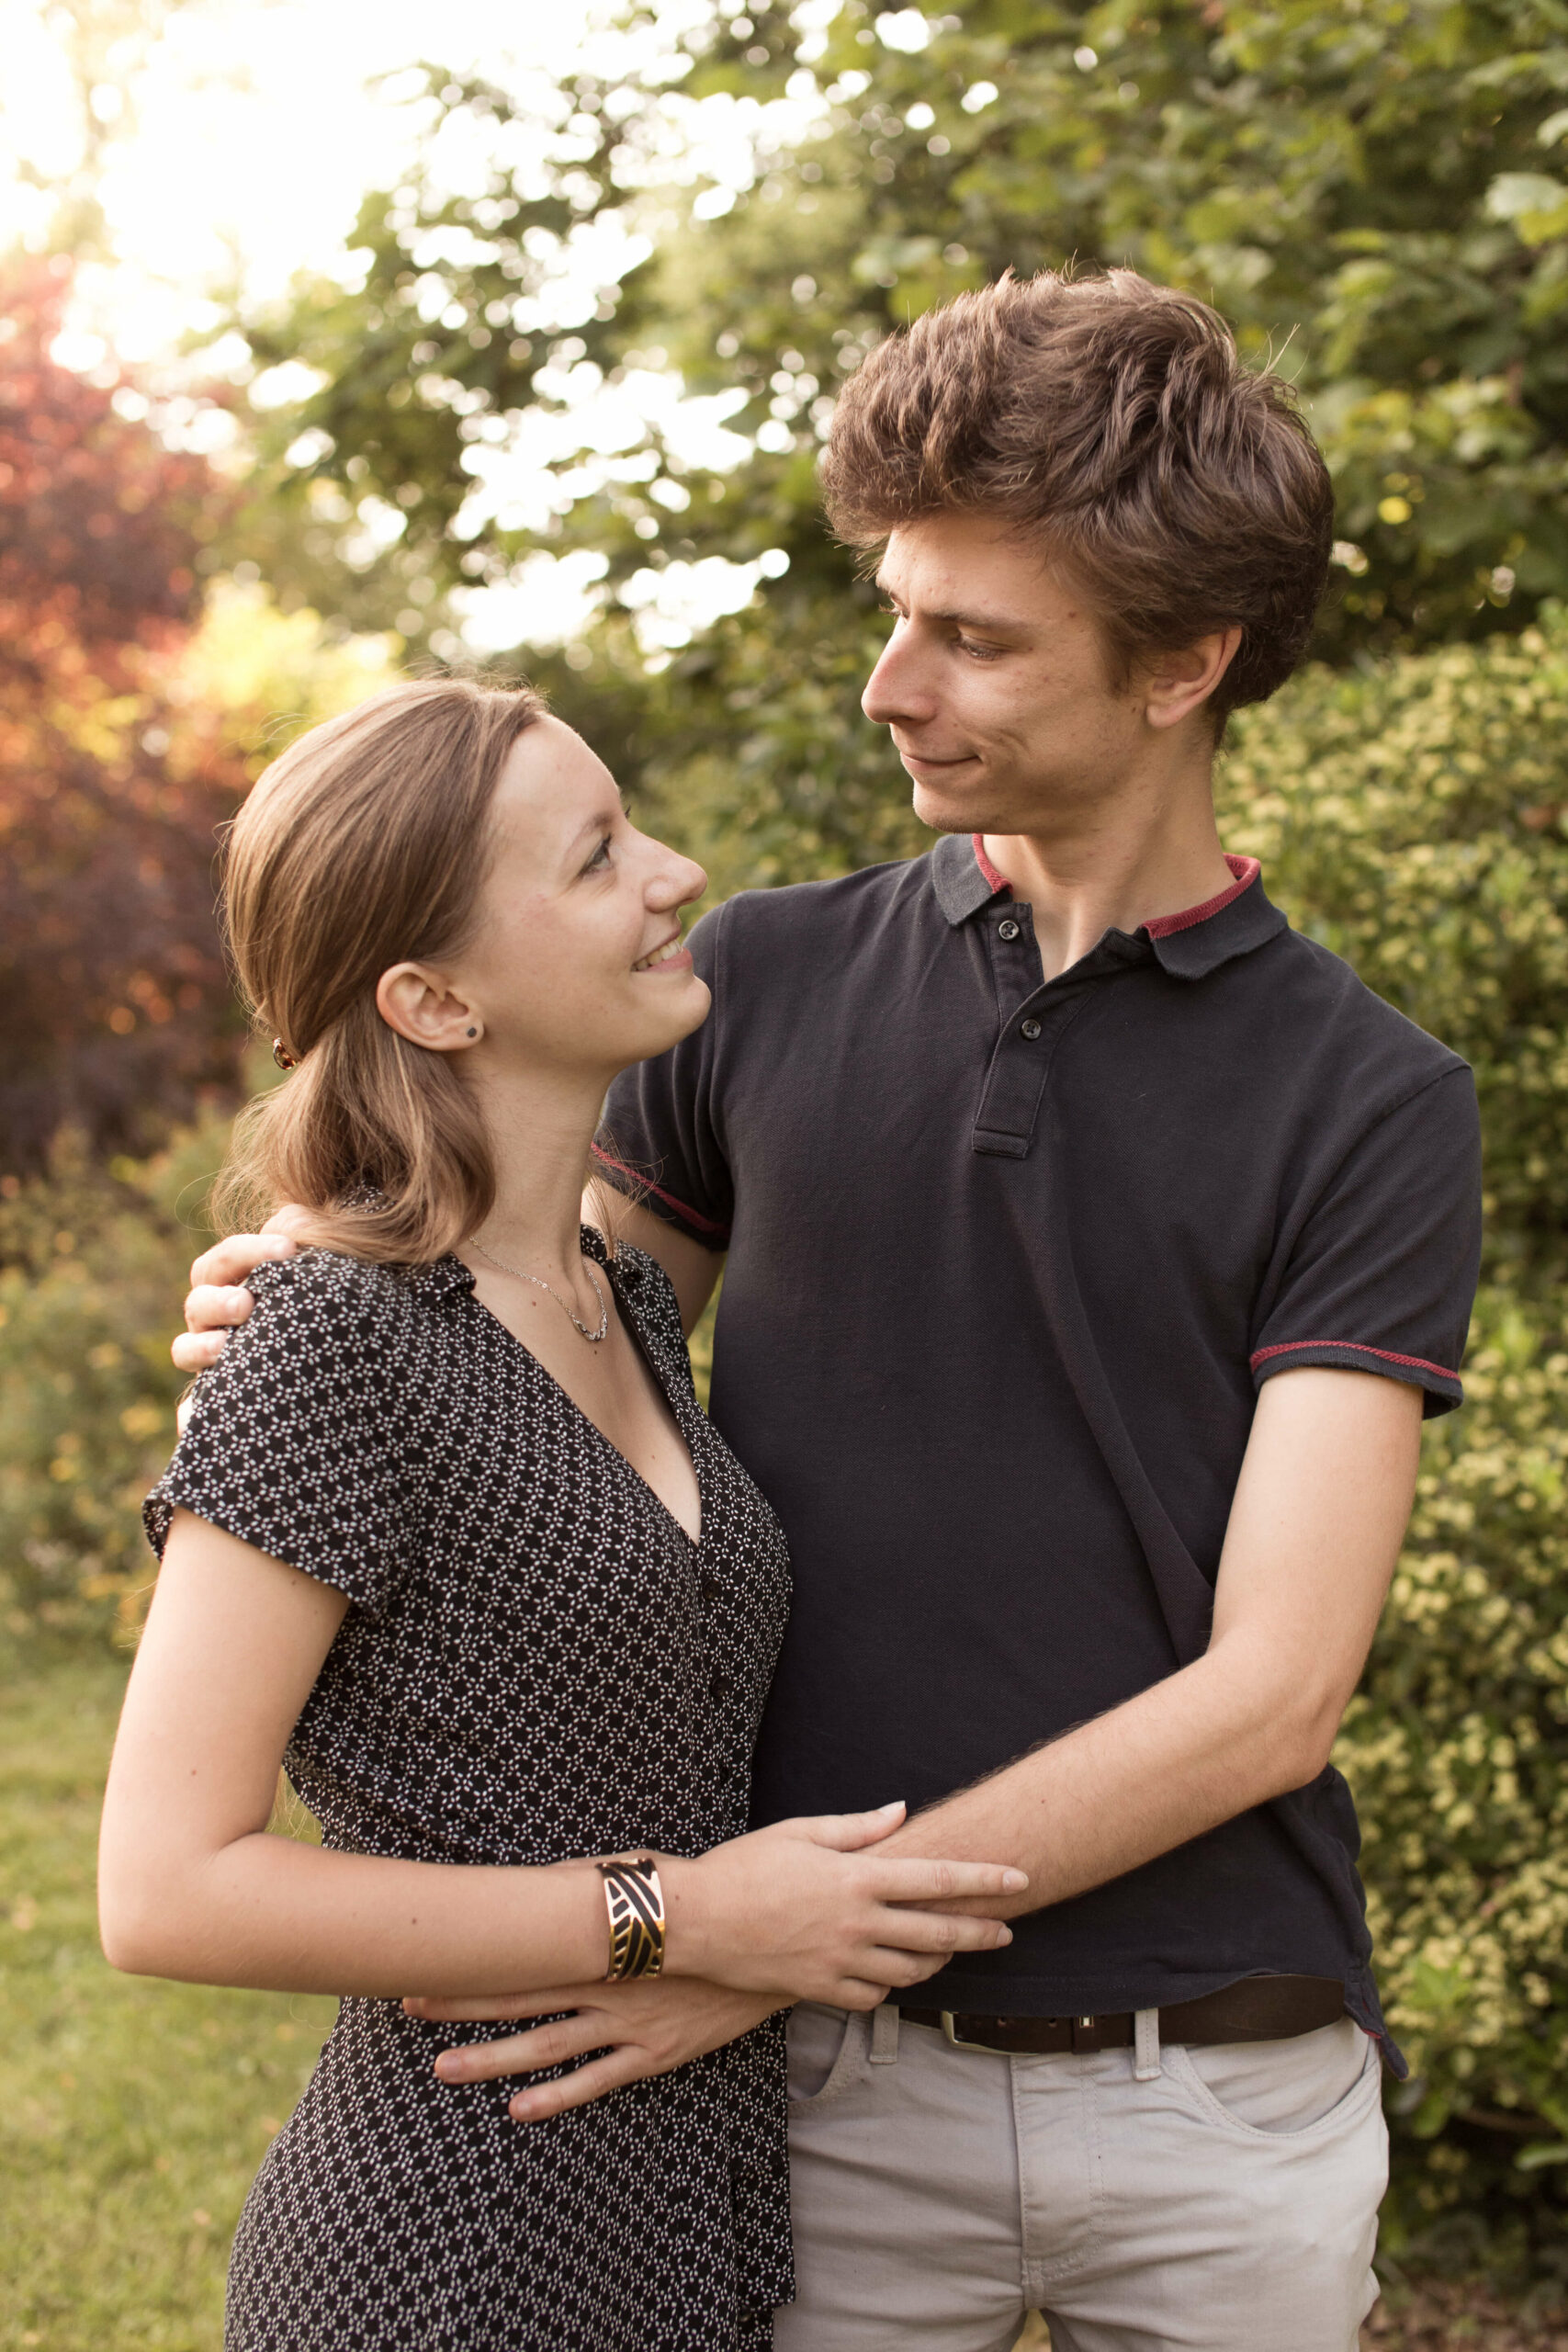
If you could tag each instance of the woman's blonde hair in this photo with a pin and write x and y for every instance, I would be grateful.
(366, 846)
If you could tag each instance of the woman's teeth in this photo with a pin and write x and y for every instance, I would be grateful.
(660, 955)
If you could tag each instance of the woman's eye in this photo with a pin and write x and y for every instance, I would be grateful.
(600, 859)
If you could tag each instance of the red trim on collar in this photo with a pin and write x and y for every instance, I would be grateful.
(997, 881)
(1247, 871)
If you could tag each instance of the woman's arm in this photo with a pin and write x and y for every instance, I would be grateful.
(189, 1883)
(191, 1886)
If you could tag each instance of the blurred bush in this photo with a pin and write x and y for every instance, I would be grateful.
(93, 1265)
(1413, 818)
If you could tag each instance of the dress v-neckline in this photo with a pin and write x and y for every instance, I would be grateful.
(634, 1333)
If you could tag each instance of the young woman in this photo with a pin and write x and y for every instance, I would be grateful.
(448, 1537)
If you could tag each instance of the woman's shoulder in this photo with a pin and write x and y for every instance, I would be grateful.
(651, 1296)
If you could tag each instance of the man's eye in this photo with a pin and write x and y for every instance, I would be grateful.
(979, 652)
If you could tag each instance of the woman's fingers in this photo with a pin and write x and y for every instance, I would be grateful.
(846, 1832)
(896, 1880)
(939, 1932)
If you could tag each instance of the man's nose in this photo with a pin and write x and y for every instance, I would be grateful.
(895, 689)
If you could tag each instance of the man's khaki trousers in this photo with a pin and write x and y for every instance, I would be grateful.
(1225, 2203)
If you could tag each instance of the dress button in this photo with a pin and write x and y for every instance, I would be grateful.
(725, 1775)
(719, 1687)
(1030, 1029)
(1008, 930)
(709, 1589)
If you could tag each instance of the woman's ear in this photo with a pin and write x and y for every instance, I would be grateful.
(417, 1002)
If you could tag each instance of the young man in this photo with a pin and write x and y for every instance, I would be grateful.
(1095, 1245)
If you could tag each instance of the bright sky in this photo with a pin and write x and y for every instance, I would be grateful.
(248, 133)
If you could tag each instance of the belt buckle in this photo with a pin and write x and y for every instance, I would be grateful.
(949, 2028)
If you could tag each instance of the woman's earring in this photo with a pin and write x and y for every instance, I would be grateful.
(473, 1032)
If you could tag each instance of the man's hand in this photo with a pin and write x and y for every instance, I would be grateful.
(216, 1301)
(643, 2028)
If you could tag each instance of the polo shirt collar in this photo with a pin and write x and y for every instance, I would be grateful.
(1186, 945)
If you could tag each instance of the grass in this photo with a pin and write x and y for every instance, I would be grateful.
(132, 2113)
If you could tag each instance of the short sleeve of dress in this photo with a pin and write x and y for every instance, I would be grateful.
(294, 1441)
(1382, 1275)
(662, 1137)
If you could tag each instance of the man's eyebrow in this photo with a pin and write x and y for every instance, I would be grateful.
(997, 624)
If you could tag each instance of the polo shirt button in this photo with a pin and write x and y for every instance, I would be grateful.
(1008, 930)
(1030, 1029)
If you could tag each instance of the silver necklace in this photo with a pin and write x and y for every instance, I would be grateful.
(565, 1307)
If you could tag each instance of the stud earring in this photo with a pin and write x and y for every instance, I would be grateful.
(473, 1032)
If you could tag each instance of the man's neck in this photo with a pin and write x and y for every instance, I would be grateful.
(1117, 868)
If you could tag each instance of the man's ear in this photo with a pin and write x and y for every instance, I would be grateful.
(418, 1003)
(1174, 685)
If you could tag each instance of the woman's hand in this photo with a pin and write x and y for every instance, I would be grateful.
(645, 2027)
(802, 1910)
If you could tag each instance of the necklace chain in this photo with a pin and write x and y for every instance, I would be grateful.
(565, 1307)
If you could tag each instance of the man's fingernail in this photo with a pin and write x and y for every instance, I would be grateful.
(1015, 1881)
(897, 1806)
(1006, 1936)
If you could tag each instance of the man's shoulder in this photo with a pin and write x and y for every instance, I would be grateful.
(807, 910)
(1339, 1017)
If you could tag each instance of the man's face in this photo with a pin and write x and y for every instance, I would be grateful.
(995, 683)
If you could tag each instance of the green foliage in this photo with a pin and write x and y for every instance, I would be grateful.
(1368, 188)
(132, 2113)
(1413, 818)
(92, 1262)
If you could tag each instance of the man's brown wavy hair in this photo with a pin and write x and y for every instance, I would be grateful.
(1177, 489)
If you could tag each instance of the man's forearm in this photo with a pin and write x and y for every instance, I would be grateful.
(1195, 1751)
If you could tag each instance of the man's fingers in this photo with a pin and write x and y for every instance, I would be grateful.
(895, 1880)
(194, 1350)
(521, 2054)
(587, 2083)
(483, 2009)
(217, 1306)
(231, 1261)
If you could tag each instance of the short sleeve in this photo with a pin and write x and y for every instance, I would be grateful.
(660, 1138)
(293, 1443)
(1382, 1275)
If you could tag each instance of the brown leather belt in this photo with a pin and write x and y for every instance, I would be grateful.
(1255, 2009)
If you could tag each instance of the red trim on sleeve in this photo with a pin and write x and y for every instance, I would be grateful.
(1247, 871)
(646, 1184)
(1415, 1364)
(997, 881)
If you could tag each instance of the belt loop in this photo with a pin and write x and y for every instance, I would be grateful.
(885, 2035)
(1146, 2046)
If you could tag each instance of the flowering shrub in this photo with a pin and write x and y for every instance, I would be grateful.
(1413, 818)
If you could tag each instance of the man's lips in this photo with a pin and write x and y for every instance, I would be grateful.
(928, 760)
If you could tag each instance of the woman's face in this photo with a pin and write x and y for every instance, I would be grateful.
(576, 961)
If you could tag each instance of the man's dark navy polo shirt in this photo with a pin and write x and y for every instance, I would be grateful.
(1007, 1263)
